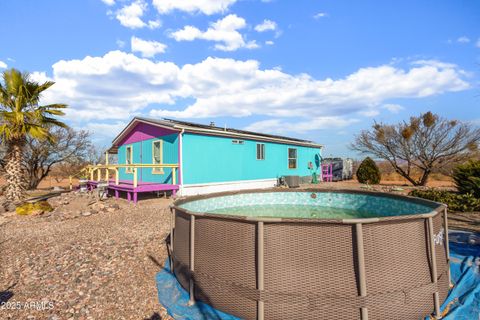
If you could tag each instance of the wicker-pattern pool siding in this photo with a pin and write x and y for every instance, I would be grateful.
(269, 268)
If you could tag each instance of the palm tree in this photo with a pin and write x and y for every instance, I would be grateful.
(21, 117)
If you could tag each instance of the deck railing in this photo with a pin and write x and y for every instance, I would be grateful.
(96, 172)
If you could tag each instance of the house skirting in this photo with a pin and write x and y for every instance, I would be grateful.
(203, 188)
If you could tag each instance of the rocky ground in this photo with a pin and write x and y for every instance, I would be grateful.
(91, 259)
(85, 260)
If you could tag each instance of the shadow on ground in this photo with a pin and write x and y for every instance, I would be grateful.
(6, 294)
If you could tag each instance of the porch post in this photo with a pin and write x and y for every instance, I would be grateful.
(135, 178)
(174, 176)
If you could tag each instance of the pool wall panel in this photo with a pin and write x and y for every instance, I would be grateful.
(232, 245)
(311, 267)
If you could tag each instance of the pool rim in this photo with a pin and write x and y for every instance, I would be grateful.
(437, 207)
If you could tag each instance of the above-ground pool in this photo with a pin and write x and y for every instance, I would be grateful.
(312, 254)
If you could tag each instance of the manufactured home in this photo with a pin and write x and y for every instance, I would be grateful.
(189, 158)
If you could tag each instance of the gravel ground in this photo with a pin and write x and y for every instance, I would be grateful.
(98, 260)
(72, 266)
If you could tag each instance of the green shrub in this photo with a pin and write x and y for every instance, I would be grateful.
(368, 172)
(455, 201)
(467, 178)
(33, 208)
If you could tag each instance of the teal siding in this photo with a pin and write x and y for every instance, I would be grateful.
(142, 153)
(209, 159)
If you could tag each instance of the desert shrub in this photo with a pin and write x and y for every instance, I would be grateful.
(455, 201)
(368, 172)
(34, 208)
(467, 178)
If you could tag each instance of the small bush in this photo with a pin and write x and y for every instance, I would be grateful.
(368, 172)
(467, 178)
(455, 201)
(34, 208)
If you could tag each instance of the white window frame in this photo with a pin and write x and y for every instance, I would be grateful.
(129, 160)
(262, 151)
(157, 170)
(296, 158)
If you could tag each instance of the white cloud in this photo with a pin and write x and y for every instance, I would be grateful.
(109, 2)
(393, 108)
(224, 31)
(266, 25)
(130, 16)
(207, 7)
(320, 15)
(154, 24)
(269, 43)
(301, 125)
(120, 43)
(3, 65)
(40, 76)
(119, 85)
(105, 129)
(147, 48)
(115, 86)
(463, 39)
(478, 43)
(369, 111)
(226, 87)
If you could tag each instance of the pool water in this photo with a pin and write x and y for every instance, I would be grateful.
(294, 211)
(321, 205)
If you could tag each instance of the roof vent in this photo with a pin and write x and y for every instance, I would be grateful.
(212, 124)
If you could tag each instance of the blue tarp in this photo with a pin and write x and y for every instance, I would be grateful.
(463, 301)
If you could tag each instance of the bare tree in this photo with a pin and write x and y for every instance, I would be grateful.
(424, 144)
(96, 154)
(69, 149)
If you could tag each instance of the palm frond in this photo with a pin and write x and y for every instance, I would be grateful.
(20, 113)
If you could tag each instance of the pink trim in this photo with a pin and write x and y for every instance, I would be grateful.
(327, 172)
(179, 171)
(144, 131)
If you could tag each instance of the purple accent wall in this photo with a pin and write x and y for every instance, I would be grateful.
(143, 131)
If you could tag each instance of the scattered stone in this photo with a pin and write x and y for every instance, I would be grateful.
(37, 212)
(9, 206)
(86, 213)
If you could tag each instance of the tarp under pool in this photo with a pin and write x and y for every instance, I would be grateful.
(462, 303)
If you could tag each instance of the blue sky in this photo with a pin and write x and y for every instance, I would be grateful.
(319, 70)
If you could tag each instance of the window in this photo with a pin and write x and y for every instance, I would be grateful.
(260, 151)
(129, 158)
(238, 141)
(157, 156)
(292, 158)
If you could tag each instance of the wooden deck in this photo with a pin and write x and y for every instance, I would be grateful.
(132, 191)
